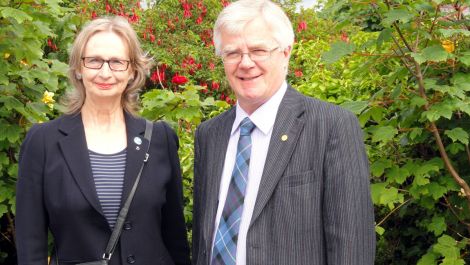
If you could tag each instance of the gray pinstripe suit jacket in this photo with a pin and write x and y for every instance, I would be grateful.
(313, 205)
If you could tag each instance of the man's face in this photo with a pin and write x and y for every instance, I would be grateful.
(254, 82)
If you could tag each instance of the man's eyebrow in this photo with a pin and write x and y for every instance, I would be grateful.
(229, 48)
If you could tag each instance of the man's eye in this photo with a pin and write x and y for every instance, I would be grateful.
(259, 52)
(232, 54)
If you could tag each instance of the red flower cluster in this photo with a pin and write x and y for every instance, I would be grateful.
(51, 45)
(159, 74)
(344, 36)
(179, 79)
(298, 73)
(131, 17)
(302, 26)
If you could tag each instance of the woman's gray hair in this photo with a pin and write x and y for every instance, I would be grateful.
(237, 15)
(140, 63)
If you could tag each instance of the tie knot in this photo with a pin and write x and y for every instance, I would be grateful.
(246, 126)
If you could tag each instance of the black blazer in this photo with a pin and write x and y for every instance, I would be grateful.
(56, 191)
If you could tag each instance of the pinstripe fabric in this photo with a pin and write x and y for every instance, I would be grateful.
(313, 205)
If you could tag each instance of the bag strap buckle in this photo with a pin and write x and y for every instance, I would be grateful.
(107, 256)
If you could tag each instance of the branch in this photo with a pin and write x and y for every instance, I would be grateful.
(394, 210)
(433, 23)
(455, 214)
(159, 78)
(398, 30)
(438, 138)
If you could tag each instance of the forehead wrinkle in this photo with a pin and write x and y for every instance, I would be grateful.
(247, 43)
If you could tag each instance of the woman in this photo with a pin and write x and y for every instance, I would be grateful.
(75, 172)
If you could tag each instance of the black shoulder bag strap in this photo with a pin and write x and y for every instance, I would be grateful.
(125, 208)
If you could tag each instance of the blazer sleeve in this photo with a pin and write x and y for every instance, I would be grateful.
(348, 210)
(31, 220)
(173, 223)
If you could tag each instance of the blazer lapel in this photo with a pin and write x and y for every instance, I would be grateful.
(75, 151)
(218, 142)
(136, 147)
(287, 128)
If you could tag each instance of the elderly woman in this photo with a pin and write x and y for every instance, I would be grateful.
(76, 172)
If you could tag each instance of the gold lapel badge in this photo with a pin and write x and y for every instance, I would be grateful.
(284, 137)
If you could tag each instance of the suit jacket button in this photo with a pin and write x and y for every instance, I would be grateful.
(131, 259)
(127, 226)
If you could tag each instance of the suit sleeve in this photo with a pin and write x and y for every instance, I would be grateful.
(348, 210)
(31, 220)
(173, 223)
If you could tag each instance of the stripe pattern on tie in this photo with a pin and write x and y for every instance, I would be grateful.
(225, 244)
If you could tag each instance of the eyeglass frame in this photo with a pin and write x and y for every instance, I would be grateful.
(106, 61)
(270, 52)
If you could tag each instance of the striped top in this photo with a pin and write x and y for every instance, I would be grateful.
(108, 173)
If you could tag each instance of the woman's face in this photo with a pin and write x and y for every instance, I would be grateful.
(105, 67)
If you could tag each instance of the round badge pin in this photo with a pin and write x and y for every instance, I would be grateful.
(137, 140)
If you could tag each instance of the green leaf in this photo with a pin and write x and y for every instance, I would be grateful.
(337, 51)
(397, 15)
(384, 134)
(428, 259)
(415, 132)
(379, 230)
(462, 80)
(3, 209)
(446, 33)
(378, 167)
(18, 15)
(465, 58)
(439, 110)
(457, 135)
(447, 247)
(455, 148)
(438, 225)
(385, 35)
(418, 101)
(436, 190)
(397, 174)
(355, 107)
(10, 132)
(433, 53)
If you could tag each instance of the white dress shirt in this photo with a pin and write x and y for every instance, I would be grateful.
(263, 118)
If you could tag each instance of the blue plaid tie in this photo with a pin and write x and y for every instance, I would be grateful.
(225, 245)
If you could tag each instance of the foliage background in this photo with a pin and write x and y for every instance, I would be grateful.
(401, 66)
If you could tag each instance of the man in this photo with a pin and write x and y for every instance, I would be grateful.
(281, 178)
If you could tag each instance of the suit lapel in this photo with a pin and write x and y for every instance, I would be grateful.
(218, 142)
(75, 151)
(136, 146)
(289, 122)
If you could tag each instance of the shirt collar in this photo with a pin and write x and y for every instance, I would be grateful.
(265, 116)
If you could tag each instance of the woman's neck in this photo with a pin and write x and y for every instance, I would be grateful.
(102, 116)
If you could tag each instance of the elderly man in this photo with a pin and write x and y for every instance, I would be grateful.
(280, 178)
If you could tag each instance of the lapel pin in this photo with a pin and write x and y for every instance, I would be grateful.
(284, 137)
(137, 140)
(137, 148)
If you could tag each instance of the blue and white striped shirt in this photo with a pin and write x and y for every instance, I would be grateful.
(108, 173)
